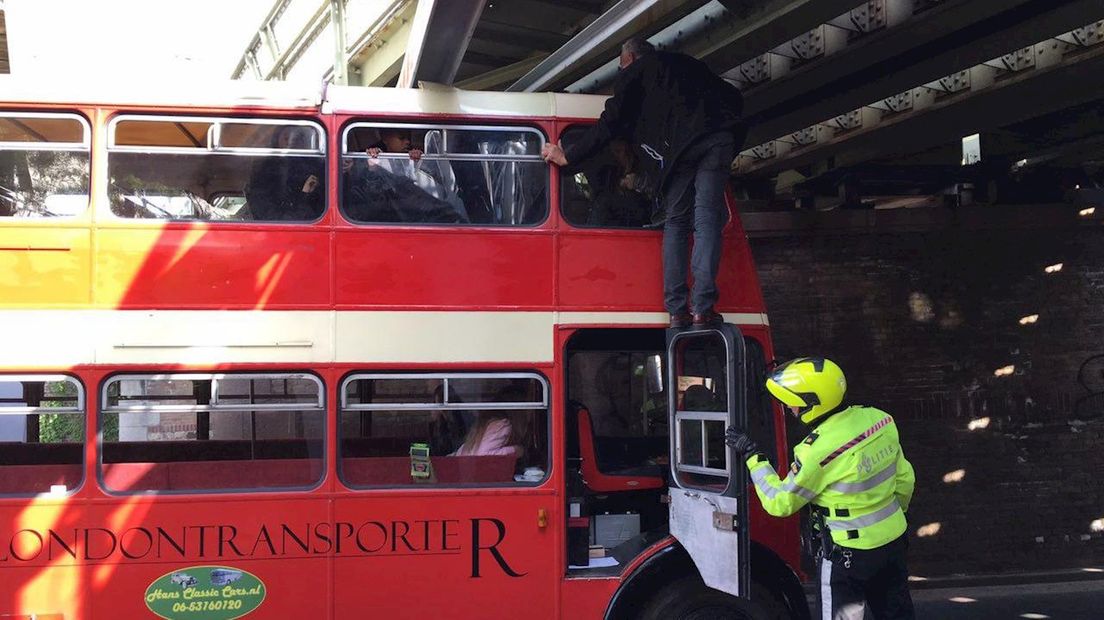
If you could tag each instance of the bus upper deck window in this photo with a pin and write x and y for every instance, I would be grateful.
(463, 175)
(43, 164)
(190, 168)
(615, 188)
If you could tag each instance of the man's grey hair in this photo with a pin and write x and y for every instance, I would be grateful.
(637, 47)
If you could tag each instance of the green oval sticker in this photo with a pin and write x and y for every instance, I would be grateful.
(205, 593)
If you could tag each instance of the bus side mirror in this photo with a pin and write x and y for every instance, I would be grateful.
(653, 373)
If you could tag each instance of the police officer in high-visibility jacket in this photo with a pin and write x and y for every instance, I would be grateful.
(852, 470)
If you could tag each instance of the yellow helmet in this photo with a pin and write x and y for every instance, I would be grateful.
(814, 384)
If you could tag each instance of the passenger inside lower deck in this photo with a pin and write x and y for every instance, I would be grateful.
(499, 431)
(448, 428)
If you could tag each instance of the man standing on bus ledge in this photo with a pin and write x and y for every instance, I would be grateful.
(688, 120)
(852, 470)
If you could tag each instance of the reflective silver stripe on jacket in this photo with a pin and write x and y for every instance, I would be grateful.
(759, 477)
(866, 520)
(865, 485)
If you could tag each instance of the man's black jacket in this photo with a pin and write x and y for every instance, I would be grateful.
(663, 102)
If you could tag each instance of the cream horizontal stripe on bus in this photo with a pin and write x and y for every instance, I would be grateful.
(203, 337)
(283, 96)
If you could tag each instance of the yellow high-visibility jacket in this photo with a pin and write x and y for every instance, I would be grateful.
(852, 466)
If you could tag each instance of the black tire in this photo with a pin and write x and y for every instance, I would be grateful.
(690, 599)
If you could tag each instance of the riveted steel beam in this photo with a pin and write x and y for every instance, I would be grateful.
(590, 48)
(977, 106)
(757, 27)
(728, 33)
(928, 47)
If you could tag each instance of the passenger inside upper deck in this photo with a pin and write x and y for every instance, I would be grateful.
(390, 189)
(622, 190)
(286, 187)
(395, 140)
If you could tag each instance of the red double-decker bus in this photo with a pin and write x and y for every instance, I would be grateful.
(261, 359)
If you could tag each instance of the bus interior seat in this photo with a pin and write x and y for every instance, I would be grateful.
(263, 473)
(189, 475)
(24, 479)
(395, 470)
(629, 479)
(440, 169)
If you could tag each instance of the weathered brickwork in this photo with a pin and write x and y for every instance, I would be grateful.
(928, 326)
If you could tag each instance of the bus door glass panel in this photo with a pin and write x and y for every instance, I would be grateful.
(44, 172)
(196, 432)
(216, 169)
(41, 434)
(707, 394)
(488, 176)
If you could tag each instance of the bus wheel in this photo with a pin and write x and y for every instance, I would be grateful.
(690, 599)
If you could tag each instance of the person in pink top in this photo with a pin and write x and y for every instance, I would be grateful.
(492, 434)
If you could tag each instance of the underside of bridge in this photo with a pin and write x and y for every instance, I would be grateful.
(884, 103)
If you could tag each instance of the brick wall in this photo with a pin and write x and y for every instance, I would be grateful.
(921, 323)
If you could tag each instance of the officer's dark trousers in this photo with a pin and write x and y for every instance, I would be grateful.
(877, 576)
(694, 199)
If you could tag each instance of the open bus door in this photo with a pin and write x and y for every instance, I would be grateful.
(706, 392)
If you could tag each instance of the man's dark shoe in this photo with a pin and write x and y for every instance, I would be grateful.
(710, 317)
(680, 320)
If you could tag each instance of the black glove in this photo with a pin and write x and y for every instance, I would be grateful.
(743, 444)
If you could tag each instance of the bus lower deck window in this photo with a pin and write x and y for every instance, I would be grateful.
(41, 434)
(196, 432)
(443, 429)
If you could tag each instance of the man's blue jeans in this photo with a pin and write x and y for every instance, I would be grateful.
(694, 199)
